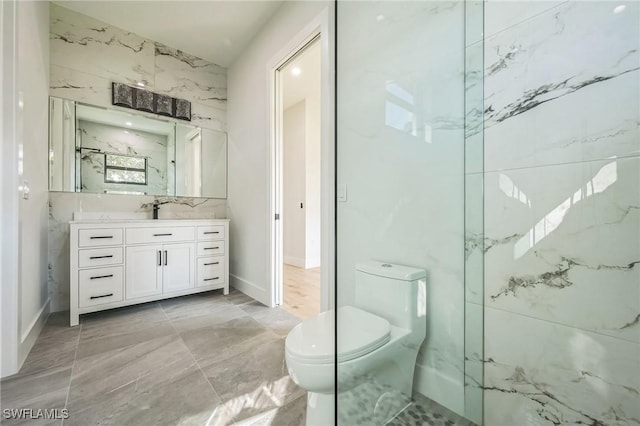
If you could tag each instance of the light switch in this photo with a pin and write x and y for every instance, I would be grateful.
(25, 190)
(342, 192)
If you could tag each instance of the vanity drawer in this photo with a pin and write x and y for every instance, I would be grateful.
(207, 233)
(211, 248)
(99, 257)
(160, 235)
(210, 271)
(99, 237)
(99, 286)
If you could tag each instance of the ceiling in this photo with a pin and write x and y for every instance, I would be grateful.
(307, 82)
(215, 30)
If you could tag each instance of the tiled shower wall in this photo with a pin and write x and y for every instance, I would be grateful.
(562, 213)
(86, 56)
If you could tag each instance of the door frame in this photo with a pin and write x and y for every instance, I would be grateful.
(317, 27)
(9, 194)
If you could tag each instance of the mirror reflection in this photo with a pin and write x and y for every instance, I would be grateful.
(99, 150)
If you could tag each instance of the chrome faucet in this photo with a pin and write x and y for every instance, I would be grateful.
(156, 207)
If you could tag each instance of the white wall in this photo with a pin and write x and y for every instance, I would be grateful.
(249, 156)
(31, 136)
(312, 177)
(294, 185)
(8, 189)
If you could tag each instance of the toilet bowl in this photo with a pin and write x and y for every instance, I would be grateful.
(378, 339)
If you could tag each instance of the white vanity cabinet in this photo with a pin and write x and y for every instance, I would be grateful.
(120, 263)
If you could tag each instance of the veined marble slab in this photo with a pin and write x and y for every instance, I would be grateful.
(561, 244)
(87, 55)
(209, 117)
(94, 47)
(500, 15)
(543, 373)
(562, 87)
(182, 75)
(606, 123)
(79, 86)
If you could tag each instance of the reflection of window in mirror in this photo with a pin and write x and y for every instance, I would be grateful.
(124, 169)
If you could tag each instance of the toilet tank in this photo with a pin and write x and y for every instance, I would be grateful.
(395, 292)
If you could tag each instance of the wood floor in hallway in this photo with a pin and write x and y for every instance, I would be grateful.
(301, 291)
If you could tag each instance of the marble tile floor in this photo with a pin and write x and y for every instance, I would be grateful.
(425, 412)
(372, 403)
(203, 359)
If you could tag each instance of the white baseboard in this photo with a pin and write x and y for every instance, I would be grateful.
(29, 337)
(312, 263)
(302, 263)
(295, 261)
(250, 289)
(442, 389)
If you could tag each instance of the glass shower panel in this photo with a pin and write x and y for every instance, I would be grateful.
(407, 106)
(474, 211)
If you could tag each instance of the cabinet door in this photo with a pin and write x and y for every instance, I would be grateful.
(178, 267)
(143, 275)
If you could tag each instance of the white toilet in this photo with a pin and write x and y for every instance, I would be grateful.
(378, 340)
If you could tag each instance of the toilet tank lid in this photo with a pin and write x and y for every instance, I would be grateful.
(389, 270)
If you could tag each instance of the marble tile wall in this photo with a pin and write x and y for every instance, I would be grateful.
(86, 56)
(63, 205)
(562, 213)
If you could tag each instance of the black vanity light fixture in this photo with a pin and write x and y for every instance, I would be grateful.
(144, 100)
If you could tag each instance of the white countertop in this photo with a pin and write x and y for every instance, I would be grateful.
(146, 221)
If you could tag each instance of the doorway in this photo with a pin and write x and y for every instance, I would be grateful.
(298, 130)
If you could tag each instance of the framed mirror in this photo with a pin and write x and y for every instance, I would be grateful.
(100, 150)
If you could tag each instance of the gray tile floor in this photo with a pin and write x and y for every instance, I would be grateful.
(204, 359)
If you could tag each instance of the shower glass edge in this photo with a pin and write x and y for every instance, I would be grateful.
(409, 184)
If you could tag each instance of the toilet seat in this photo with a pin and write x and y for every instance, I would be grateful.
(361, 332)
